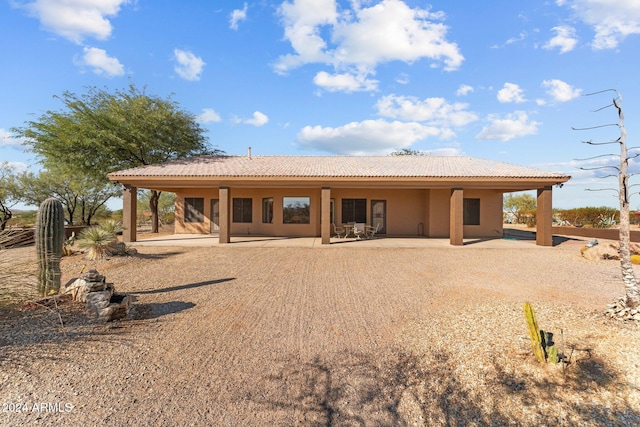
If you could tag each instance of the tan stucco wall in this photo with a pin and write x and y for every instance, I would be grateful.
(256, 227)
(193, 227)
(406, 209)
(410, 212)
(490, 213)
(439, 213)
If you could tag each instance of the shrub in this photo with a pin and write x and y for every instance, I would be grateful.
(96, 241)
(112, 226)
(101, 241)
(601, 217)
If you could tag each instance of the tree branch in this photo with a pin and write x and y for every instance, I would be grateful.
(595, 127)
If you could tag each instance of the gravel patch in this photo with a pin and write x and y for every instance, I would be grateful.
(323, 336)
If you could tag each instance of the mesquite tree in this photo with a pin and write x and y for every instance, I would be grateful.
(101, 132)
(632, 296)
(9, 195)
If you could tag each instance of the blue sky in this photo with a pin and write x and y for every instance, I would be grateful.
(501, 80)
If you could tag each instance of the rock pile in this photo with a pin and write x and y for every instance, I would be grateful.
(618, 310)
(101, 300)
(607, 251)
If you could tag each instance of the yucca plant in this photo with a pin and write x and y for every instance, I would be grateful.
(112, 226)
(97, 241)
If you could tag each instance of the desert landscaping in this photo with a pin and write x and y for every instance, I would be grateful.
(345, 334)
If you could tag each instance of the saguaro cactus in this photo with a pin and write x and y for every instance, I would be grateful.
(49, 241)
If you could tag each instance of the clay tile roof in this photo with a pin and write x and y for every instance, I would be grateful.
(336, 166)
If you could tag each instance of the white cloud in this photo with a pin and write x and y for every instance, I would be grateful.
(511, 126)
(433, 111)
(258, 119)
(100, 62)
(7, 140)
(344, 82)
(565, 39)
(17, 167)
(464, 90)
(523, 35)
(560, 91)
(366, 137)
(208, 116)
(75, 19)
(511, 92)
(236, 16)
(403, 79)
(611, 20)
(445, 151)
(359, 39)
(302, 22)
(189, 66)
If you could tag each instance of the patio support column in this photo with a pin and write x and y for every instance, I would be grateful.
(456, 218)
(325, 215)
(129, 213)
(544, 217)
(224, 234)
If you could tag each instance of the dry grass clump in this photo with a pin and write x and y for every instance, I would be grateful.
(17, 270)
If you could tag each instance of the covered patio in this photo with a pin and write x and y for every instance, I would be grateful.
(208, 240)
(265, 198)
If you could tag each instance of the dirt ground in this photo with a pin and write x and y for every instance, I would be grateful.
(328, 337)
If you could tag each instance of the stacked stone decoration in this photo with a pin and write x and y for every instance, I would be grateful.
(101, 300)
(618, 310)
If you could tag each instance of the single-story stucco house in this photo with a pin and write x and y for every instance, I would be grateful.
(451, 197)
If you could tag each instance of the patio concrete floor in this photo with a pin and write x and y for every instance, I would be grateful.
(513, 239)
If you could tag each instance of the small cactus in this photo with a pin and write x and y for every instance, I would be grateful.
(542, 343)
(66, 246)
(534, 332)
(49, 238)
(550, 350)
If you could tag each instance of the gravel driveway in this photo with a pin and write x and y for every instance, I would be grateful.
(328, 336)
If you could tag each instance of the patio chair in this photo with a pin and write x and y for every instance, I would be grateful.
(358, 230)
(339, 231)
(371, 231)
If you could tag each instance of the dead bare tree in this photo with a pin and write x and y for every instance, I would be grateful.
(631, 299)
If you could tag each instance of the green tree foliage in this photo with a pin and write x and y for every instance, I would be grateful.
(101, 132)
(407, 152)
(81, 197)
(9, 194)
(166, 205)
(522, 206)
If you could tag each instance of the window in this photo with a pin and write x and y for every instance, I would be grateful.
(295, 210)
(471, 212)
(267, 210)
(354, 210)
(242, 210)
(193, 209)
